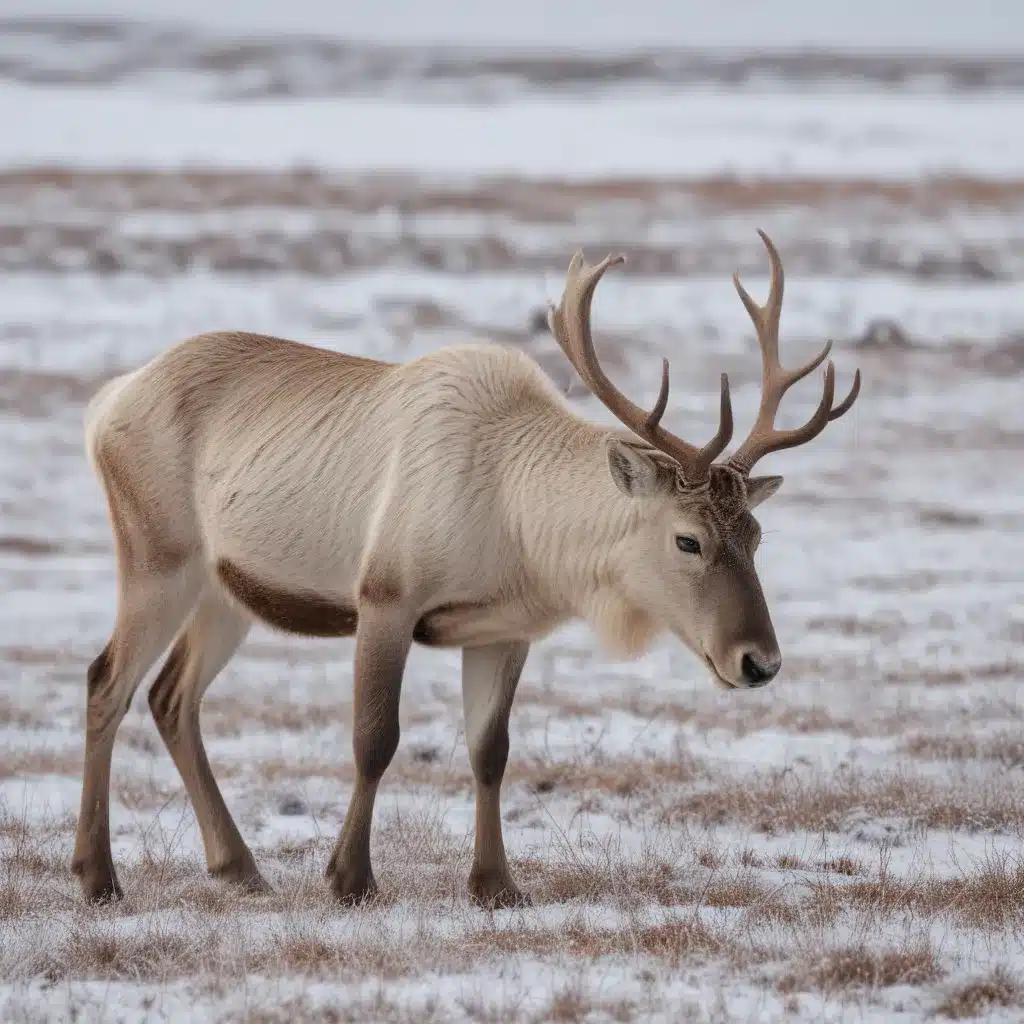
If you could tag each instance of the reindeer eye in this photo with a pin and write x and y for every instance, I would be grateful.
(688, 544)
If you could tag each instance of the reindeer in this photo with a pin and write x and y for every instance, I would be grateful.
(451, 501)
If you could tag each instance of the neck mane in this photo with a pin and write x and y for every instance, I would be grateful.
(572, 520)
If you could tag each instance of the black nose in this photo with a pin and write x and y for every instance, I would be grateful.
(757, 674)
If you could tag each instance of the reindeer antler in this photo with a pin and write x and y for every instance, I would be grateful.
(570, 324)
(776, 381)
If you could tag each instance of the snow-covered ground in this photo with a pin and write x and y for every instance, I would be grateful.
(844, 845)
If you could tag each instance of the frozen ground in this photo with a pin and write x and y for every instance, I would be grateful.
(845, 845)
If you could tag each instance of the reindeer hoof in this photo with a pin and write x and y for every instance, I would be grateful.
(351, 885)
(495, 890)
(99, 883)
(242, 873)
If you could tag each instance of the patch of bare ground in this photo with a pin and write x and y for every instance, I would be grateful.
(999, 989)
(787, 801)
(859, 965)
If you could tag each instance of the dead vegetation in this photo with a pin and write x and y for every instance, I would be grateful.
(1005, 748)
(860, 965)
(981, 996)
(789, 801)
(663, 833)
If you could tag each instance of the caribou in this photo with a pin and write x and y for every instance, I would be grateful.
(451, 501)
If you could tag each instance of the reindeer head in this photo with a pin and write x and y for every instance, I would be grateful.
(688, 561)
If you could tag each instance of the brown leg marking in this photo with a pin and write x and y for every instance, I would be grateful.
(382, 646)
(96, 874)
(98, 674)
(489, 679)
(212, 636)
(150, 612)
(306, 614)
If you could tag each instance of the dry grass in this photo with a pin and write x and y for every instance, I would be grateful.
(19, 763)
(861, 966)
(787, 801)
(354, 1011)
(990, 897)
(175, 924)
(237, 716)
(1004, 748)
(981, 996)
(736, 720)
(843, 866)
(196, 190)
(17, 716)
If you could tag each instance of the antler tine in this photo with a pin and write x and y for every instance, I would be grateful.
(570, 324)
(766, 317)
(844, 406)
(721, 440)
(776, 380)
(658, 410)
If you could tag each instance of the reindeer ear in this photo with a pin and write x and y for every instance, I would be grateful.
(761, 488)
(637, 469)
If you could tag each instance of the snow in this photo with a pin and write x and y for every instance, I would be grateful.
(892, 555)
(676, 134)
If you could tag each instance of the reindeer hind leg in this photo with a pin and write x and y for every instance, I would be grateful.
(158, 580)
(151, 610)
(214, 632)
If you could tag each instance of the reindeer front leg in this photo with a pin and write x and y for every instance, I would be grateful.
(489, 678)
(383, 638)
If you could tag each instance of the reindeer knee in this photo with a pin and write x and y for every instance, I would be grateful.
(98, 673)
(375, 741)
(489, 754)
(162, 694)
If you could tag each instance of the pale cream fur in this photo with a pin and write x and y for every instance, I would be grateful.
(455, 500)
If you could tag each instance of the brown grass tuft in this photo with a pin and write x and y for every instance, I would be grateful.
(1005, 748)
(309, 956)
(843, 866)
(858, 965)
(16, 764)
(152, 955)
(992, 896)
(790, 862)
(789, 802)
(981, 996)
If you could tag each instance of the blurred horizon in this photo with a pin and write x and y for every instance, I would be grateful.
(982, 26)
